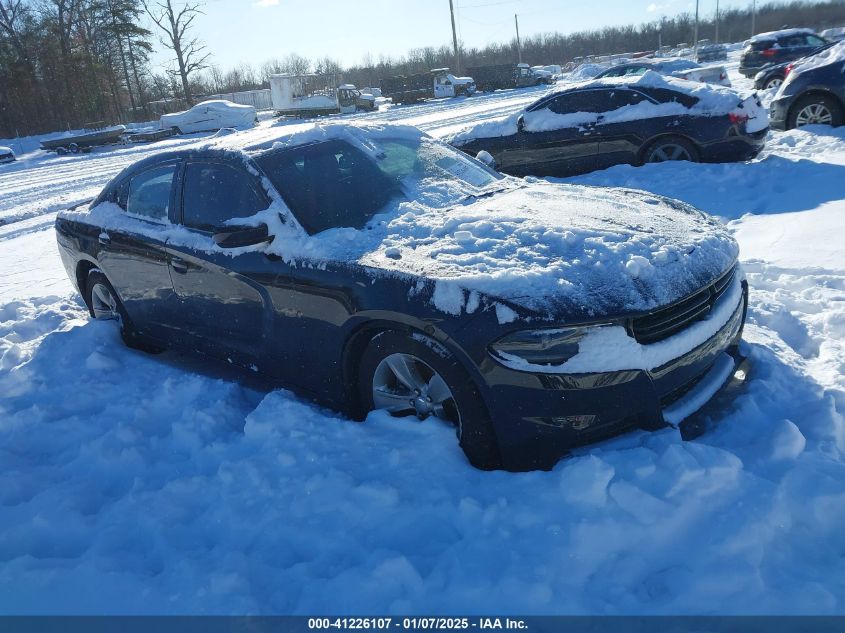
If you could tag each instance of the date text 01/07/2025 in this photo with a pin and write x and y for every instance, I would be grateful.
(416, 623)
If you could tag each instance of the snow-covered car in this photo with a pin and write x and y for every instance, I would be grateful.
(6, 154)
(673, 67)
(375, 268)
(209, 116)
(813, 91)
(641, 119)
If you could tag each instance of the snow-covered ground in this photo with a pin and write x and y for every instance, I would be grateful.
(155, 484)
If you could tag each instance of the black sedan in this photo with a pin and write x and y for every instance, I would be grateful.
(605, 122)
(376, 268)
(813, 92)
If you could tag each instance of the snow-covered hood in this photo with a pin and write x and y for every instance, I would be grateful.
(559, 251)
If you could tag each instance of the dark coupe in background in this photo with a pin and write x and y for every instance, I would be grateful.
(598, 141)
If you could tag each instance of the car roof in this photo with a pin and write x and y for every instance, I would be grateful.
(774, 35)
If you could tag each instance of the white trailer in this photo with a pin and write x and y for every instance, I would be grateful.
(315, 95)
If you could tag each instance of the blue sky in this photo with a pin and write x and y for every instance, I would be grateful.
(256, 30)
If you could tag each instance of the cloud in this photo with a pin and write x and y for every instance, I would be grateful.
(653, 7)
(263, 4)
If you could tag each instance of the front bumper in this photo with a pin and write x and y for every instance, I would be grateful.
(779, 113)
(540, 417)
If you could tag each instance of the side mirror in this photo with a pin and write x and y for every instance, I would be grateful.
(487, 158)
(240, 236)
(520, 123)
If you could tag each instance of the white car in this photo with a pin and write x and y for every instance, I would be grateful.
(209, 116)
(6, 154)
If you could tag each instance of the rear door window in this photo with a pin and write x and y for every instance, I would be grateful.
(597, 101)
(215, 193)
(149, 193)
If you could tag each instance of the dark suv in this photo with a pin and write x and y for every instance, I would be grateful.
(813, 92)
(777, 47)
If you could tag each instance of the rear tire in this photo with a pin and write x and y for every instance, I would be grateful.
(104, 305)
(670, 148)
(434, 371)
(815, 110)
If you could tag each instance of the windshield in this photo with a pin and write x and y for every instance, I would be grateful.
(419, 164)
(345, 182)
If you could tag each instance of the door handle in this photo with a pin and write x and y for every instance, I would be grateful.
(179, 265)
(104, 239)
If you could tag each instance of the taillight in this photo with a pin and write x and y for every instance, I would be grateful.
(788, 70)
(738, 118)
(769, 52)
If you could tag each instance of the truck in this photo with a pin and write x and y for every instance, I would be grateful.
(315, 95)
(502, 76)
(436, 84)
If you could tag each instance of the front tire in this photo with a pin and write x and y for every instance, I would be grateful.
(670, 148)
(413, 375)
(104, 305)
(773, 82)
(816, 110)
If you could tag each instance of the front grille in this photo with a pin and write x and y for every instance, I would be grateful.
(665, 322)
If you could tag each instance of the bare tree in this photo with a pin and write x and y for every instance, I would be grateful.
(176, 22)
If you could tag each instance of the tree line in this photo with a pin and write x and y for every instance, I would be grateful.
(71, 63)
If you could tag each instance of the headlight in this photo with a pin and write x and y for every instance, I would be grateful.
(540, 347)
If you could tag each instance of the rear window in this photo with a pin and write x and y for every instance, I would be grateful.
(761, 45)
(663, 95)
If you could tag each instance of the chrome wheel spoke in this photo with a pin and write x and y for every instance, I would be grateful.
(392, 402)
(438, 390)
(405, 371)
(103, 303)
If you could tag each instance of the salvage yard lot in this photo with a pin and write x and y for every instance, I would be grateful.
(132, 483)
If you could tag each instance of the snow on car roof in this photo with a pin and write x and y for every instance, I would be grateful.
(223, 104)
(832, 55)
(262, 139)
(5, 150)
(773, 35)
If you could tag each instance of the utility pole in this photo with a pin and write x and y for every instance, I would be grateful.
(695, 35)
(518, 45)
(753, 16)
(455, 40)
(717, 21)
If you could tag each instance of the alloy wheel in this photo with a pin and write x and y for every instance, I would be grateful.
(775, 82)
(669, 151)
(405, 385)
(103, 303)
(814, 113)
